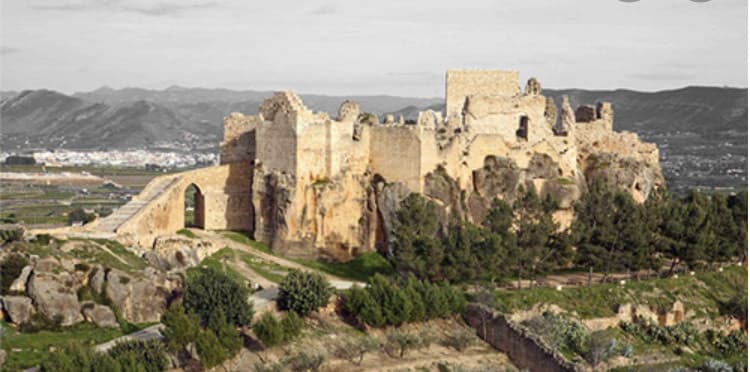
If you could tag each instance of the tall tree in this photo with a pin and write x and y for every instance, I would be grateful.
(416, 246)
(535, 229)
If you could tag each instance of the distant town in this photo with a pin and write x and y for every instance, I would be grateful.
(120, 158)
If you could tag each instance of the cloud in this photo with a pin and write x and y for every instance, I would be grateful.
(327, 9)
(8, 50)
(150, 8)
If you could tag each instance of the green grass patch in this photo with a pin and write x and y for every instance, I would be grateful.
(187, 233)
(243, 238)
(360, 268)
(220, 261)
(269, 270)
(34, 347)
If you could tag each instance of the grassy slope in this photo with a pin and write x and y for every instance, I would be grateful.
(702, 293)
(358, 269)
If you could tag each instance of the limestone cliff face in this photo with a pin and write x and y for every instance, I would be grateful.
(324, 187)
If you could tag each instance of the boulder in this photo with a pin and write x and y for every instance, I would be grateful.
(54, 292)
(176, 252)
(96, 282)
(140, 297)
(19, 285)
(18, 308)
(101, 315)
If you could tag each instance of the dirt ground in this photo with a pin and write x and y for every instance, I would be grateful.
(324, 331)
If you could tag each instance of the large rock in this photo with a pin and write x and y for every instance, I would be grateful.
(176, 252)
(54, 292)
(100, 315)
(19, 285)
(140, 297)
(18, 308)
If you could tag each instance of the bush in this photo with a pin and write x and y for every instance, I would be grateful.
(82, 267)
(680, 334)
(11, 268)
(43, 239)
(269, 330)
(460, 339)
(210, 291)
(304, 292)
(600, 347)
(180, 328)
(79, 215)
(210, 350)
(151, 355)
(292, 326)
(303, 361)
(400, 343)
(10, 235)
(559, 332)
(383, 302)
(354, 348)
(143, 356)
(227, 334)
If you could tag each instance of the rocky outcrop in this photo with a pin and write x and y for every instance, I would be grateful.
(178, 252)
(100, 315)
(54, 292)
(19, 285)
(19, 309)
(140, 297)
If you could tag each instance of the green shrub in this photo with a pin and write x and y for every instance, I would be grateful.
(43, 239)
(11, 268)
(227, 334)
(79, 215)
(460, 339)
(71, 358)
(383, 302)
(210, 350)
(354, 348)
(269, 330)
(303, 292)
(559, 332)
(303, 361)
(151, 355)
(211, 290)
(11, 235)
(180, 327)
(292, 326)
(399, 343)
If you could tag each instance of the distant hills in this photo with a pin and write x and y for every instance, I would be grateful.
(701, 131)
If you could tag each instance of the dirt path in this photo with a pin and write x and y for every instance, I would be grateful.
(221, 240)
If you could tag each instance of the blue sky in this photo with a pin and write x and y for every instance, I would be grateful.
(370, 47)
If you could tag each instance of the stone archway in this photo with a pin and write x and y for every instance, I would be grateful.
(195, 206)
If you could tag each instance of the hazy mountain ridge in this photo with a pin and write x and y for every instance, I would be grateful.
(701, 131)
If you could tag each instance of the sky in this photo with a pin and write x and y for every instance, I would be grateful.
(351, 47)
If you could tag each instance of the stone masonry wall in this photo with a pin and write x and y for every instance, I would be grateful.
(460, 84)
(521, 348)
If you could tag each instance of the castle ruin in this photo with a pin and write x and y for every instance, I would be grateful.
(310, 185)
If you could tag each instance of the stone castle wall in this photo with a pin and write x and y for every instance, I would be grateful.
(308, 184)
(460, 84)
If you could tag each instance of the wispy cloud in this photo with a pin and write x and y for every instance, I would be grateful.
(151, 8)
(5, 50)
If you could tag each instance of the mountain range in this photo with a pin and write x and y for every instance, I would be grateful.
(701, 131)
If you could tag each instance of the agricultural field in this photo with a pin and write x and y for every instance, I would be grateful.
(44, 196)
